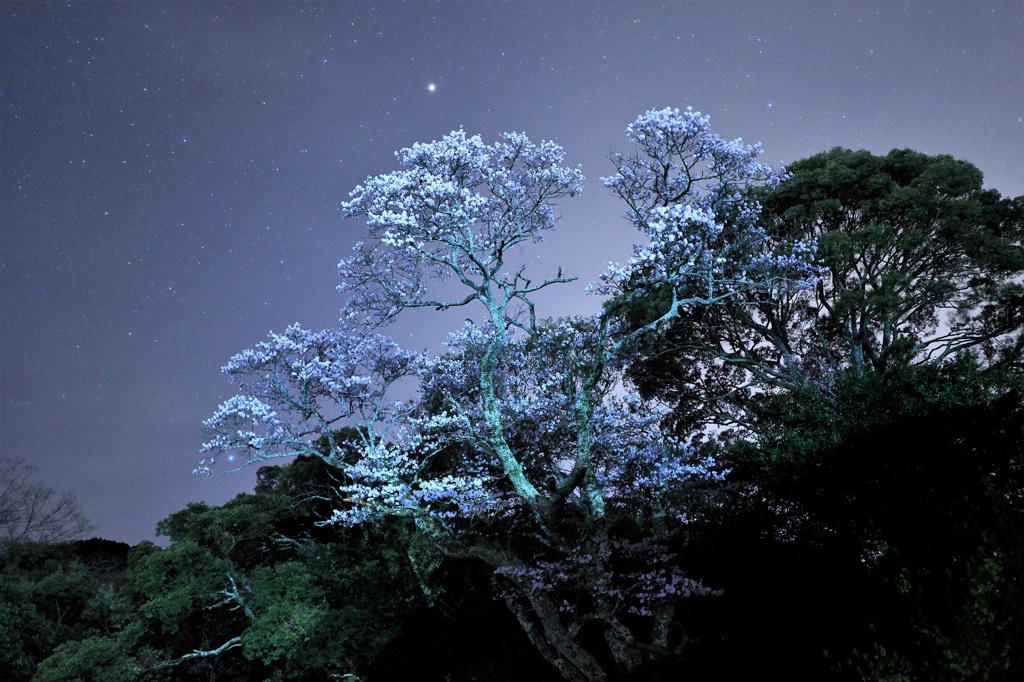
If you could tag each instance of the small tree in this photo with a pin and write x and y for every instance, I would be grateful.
(31, 511)
(521, 450)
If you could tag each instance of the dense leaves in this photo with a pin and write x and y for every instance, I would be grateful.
(886, 530)
(266, 589)
(256, 590)
(922, 261)
(52, 594)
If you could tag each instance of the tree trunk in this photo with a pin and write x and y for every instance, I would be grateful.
(554, 641)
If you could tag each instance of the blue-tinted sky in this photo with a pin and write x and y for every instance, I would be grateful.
(171, 173)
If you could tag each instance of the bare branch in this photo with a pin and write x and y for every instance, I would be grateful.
(33, 511)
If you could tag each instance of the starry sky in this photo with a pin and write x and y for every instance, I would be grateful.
(171, 173)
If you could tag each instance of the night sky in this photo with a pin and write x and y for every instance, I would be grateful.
(172, 172)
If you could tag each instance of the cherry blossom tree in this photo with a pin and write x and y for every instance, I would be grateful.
(523, 448)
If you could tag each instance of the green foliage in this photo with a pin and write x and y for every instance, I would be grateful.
(93, 659)
(172, 586)
(255, 587)
(54, 593)
(24, 634)
(887, 530)
(290, 607)
(795, 427)
(306, 601)
(906, 238)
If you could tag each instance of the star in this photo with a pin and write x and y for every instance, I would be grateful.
(431, 87)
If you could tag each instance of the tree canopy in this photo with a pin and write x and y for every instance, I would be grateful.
(919, 264)
(922, 261)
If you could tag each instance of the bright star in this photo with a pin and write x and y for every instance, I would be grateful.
(431, 87)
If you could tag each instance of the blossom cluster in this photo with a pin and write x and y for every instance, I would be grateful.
(454, 210)
(685, 189)
(298, 385)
